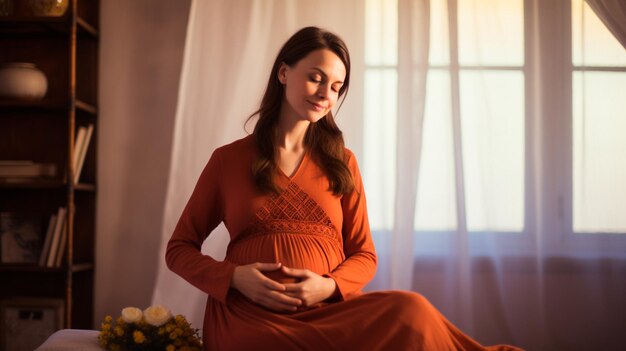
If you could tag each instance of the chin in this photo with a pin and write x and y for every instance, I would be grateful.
(316, 118)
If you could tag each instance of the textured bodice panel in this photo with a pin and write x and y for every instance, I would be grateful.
(290, 228)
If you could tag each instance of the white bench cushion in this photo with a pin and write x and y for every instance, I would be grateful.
(72, 339)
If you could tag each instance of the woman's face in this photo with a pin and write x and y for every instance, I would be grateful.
(311, 85)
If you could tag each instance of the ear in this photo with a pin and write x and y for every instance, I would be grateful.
(282, 73)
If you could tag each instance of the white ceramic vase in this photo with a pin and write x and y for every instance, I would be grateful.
(20, 80)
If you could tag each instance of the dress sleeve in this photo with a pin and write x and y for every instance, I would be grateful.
(360, 264)
(203, 212)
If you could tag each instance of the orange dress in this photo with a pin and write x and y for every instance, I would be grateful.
(305, 226)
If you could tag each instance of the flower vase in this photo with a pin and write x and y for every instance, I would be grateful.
(21, 80)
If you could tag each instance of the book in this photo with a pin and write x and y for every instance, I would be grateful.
(78, 143)
(26, 180)
(28, 170)
(56, 237)
(47, 241)
(21, 237)
(82, 152)
(59, 254)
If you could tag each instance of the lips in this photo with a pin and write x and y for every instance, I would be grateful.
(316, 107)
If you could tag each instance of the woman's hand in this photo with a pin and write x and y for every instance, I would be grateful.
(311, 289)
(251, 282)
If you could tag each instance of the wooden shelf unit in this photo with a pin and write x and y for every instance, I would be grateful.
(65, 48)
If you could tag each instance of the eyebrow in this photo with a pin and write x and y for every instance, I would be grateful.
(324, 74)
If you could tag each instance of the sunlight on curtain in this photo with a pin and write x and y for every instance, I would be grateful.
(493, 149)
(439, 51)
(495, 159)
(599, 146)
(592, 43)
(381, 32)
(435, 208)
(380, 145)
(380, 111)
(599, 152)
(492, 119)
(490, 32)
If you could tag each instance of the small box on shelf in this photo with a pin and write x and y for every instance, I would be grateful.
(32, 239)
(21, 237)
(28, 173)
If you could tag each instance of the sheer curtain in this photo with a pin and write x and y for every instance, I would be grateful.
(425, 245)
(229, 50)
(479, 165)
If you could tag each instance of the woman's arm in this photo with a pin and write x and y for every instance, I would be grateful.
(360, 264)
(203, 212)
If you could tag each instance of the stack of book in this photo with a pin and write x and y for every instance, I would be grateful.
(24, 170)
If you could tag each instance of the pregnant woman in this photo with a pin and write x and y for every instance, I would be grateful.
(292, 199)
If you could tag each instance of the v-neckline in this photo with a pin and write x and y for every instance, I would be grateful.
(296, 171)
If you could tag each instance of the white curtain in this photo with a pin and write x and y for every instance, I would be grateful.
(229, 50)
(440, 264)
(509, 268)
(503, 285)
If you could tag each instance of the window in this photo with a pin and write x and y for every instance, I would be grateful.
(381, 82)
(481, 73)
(599, 145)
(488, 58)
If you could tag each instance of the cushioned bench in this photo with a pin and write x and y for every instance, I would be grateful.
(72, 339)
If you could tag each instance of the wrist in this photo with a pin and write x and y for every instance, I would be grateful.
(233, 278)
(332, 287)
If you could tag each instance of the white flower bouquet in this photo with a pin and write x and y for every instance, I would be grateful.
(152, 329)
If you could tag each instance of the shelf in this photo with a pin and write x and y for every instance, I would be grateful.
(31, 268)
(33, 25)
(28, 268)
(33, 105)
(45, 105)
(85, 187)
(65, 49)
(82, 267)
(30, 183)
(27, 25)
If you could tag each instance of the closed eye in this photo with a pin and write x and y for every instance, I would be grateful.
(320, 77)
(316, 78)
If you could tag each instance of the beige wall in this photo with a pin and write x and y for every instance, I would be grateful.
(141, 48)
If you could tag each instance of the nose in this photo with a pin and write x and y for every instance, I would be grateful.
(324, 91)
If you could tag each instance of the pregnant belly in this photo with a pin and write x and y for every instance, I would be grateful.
(317, 253)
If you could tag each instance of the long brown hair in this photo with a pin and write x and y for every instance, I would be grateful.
(323, 138)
